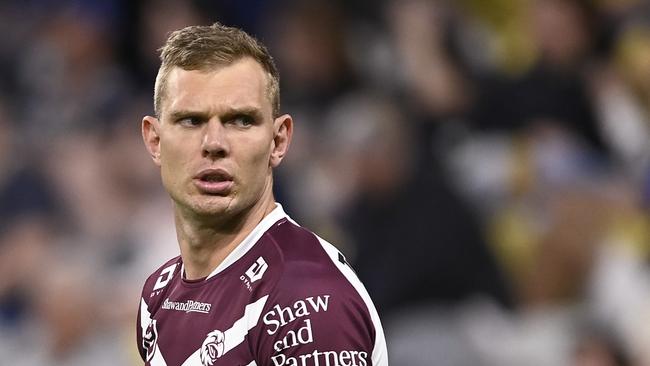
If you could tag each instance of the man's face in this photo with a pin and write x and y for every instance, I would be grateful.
(216, 141)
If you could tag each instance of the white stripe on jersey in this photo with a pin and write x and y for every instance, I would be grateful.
(145, 320)
(379, 352)
(234, 336)
(252, 364)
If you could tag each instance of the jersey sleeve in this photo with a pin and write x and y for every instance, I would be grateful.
(143, 327)
(146, 331)
(321, 319)
(138, 335)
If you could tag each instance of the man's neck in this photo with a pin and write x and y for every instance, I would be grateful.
(205, 246)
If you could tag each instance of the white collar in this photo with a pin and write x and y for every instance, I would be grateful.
(247, 244)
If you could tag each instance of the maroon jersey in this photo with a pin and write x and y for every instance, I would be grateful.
(283, 297)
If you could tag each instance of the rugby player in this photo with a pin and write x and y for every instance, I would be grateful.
(250, 287)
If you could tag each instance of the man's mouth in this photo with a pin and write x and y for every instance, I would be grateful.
(214, 182)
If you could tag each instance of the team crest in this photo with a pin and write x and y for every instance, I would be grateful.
(212, 347)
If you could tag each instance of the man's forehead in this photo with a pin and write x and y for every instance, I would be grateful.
(241, 84)
(242, 69)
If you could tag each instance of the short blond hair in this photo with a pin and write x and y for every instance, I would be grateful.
(208, 47)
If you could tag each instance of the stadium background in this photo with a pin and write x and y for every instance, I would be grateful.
(483, 163)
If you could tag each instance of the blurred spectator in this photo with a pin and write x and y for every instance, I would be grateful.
(599, 348)
(414, 236)
(553, 90)
(68, 77)
(152, 21)
(420, 31)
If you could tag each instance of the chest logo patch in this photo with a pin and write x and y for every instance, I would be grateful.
(165, 276)
(212, 348)
(256, 271)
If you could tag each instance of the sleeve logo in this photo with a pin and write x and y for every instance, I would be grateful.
(212, 348)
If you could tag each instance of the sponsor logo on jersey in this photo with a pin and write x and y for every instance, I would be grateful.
(293, 338)
(212, 348)
(254, 273)
(188, 306)
(149, 339)
(323, 358)
(218, 343)
(164, 278)
(280, 316)
(305, 333)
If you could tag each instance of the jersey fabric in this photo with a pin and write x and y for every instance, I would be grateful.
(283, 297)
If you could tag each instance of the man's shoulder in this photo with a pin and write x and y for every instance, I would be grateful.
(308, 261)
(162, 275)
(317, 309)
(299, 248)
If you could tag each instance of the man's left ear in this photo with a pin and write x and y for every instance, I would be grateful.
(283, 130)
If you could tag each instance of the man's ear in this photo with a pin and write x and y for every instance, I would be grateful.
(150, 128)
(283, 129)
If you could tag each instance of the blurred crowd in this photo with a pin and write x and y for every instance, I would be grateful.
(484, 164)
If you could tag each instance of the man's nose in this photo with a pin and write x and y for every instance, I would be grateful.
(215, 141)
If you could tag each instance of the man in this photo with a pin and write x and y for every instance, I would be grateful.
(250, 287)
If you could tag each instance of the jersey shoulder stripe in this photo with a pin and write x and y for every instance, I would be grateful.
(379, 352)
(313, 266)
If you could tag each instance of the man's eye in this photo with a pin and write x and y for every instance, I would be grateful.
(243, 121)
(189, 121)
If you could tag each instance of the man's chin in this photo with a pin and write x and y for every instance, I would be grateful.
(214, 206)
(206, 207)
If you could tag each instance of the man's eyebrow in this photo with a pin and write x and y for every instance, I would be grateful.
(246, 110)
(251, 111)
(183, 113)
(228, 113)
